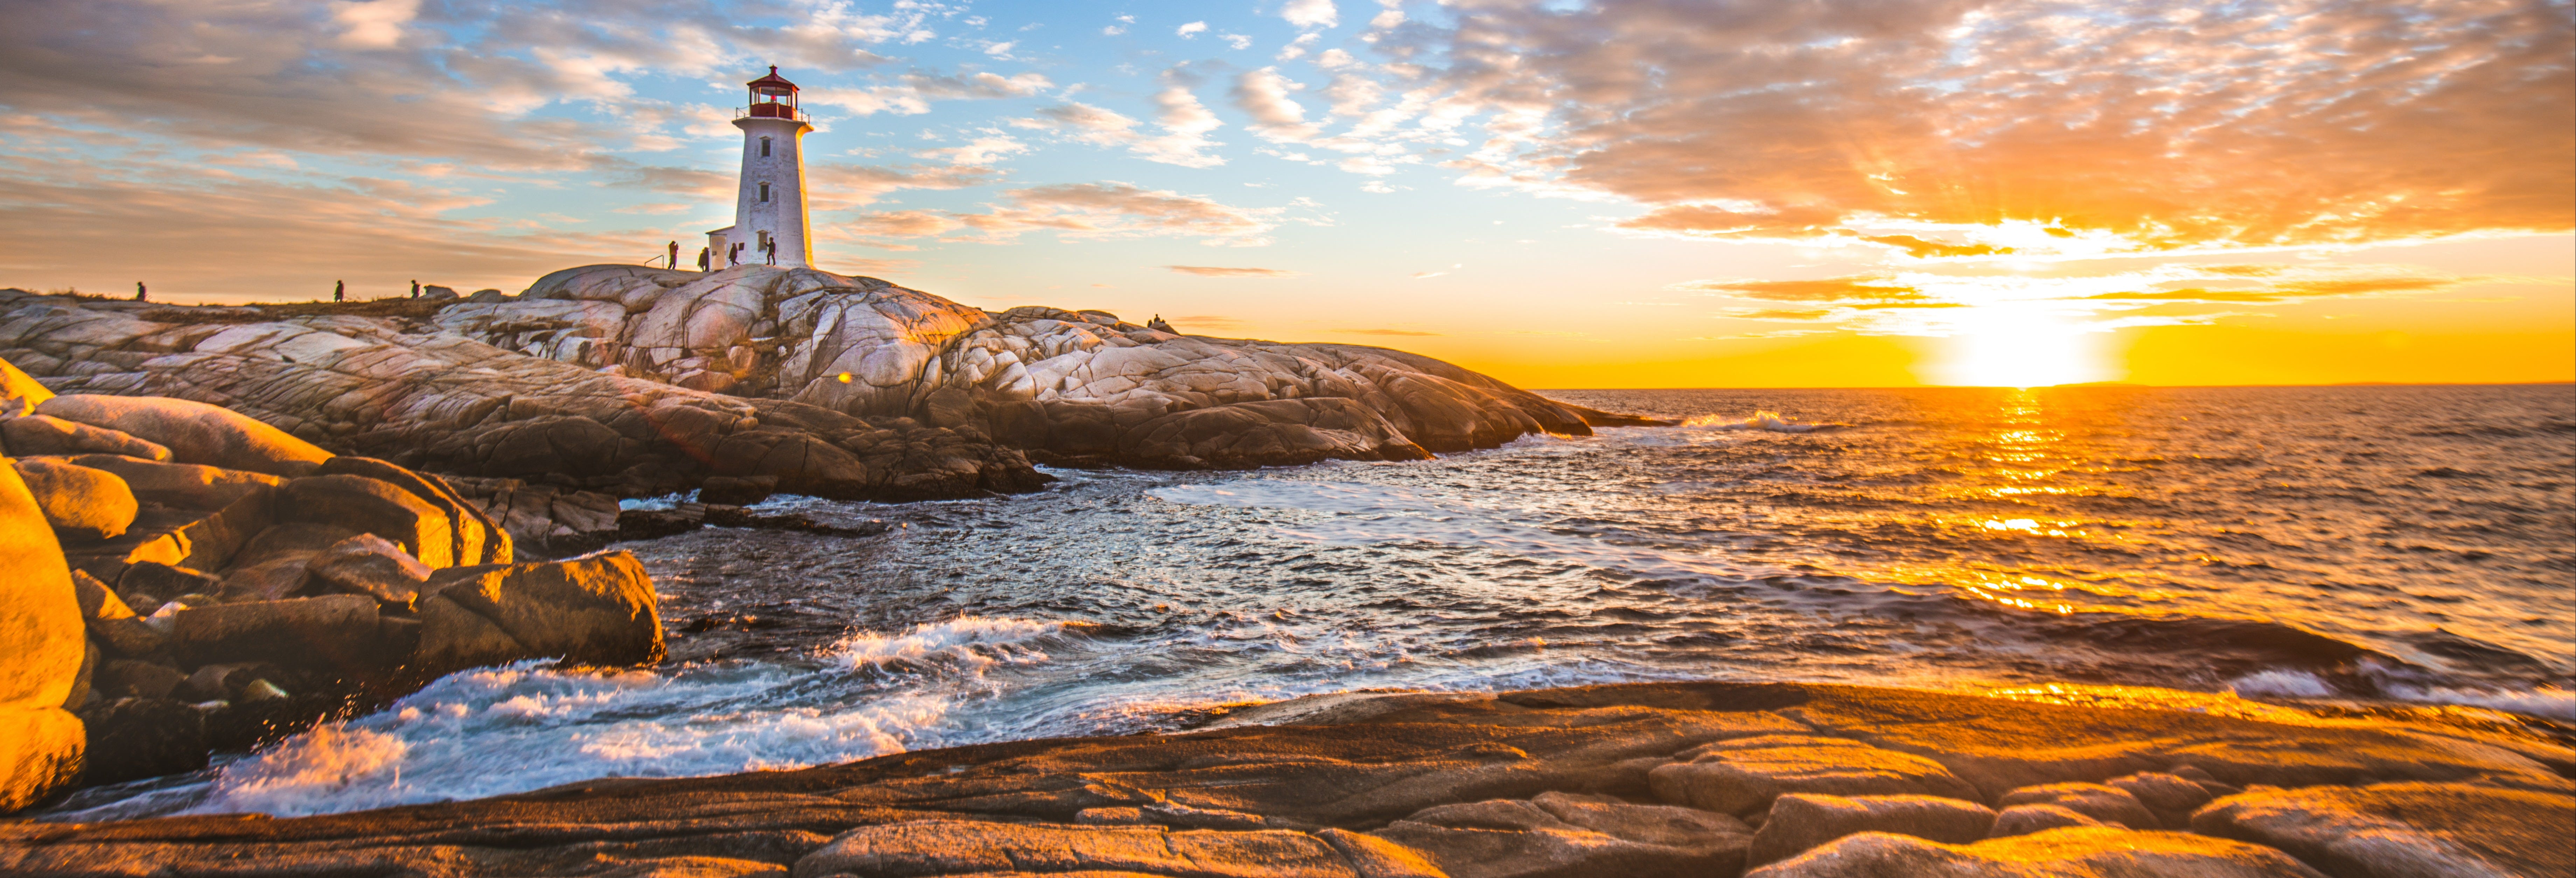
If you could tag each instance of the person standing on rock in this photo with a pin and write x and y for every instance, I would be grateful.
(140, 294)
(339, 290)
(733, 255)
(415, 289)
(673, 263)
(769, 249)
(705, 254)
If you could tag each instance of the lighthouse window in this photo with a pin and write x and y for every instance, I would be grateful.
(764, 192)
(764, 148)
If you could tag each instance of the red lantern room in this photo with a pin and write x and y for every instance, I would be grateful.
(772, 97)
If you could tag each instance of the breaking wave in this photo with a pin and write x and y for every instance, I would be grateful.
(1761, 420)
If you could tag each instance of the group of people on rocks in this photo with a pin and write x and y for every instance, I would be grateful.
(732, 255)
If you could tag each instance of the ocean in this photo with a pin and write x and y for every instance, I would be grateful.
(2341, 551)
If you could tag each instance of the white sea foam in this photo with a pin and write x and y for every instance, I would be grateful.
(968, 643)
(1761, 420)
(2290, 684)
(2549, 702)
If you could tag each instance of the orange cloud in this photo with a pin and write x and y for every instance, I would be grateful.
(2144, 127)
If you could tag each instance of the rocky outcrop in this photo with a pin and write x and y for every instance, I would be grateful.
(41, 649)
(1077, 386)
(220, 605)
(1538, 784)
(406, 391)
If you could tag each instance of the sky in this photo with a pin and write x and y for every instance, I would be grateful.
(1639, 193)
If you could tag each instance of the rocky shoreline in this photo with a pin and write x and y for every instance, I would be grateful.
(181, 579)
(1680, 779)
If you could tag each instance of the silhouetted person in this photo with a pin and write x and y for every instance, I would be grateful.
(733, 255)
(140, 294)
(673, 263)
(704, 255)
(415, 289)
(770, 249)
(339, 291)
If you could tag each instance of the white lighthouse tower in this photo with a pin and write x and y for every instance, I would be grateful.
(769, 221)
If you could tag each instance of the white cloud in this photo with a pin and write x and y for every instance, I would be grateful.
(1263, 94)
(1238, 42)
(980, 151)
(1311, 13)
(373, 25)
(1191, 30)
(1084, 211)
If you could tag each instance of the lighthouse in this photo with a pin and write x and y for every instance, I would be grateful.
(769, 209)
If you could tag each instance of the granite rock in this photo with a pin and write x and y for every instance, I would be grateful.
(2101, 802)
(1742, 776)
(1074, 385)
(81, 503)
(45, 434)
(415, 395)
(2405, 830)
(2109, 853)
(42, 638)
(1323, 776)
(1798, 821)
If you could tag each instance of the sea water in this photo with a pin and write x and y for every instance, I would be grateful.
(2339, 549)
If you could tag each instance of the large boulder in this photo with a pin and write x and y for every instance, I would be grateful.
(194, 432)
(475, 539)
(20, 393)
(1556, 834)
(45, 434)
(2111, 853)
(2405, 830)
(1744, 775)
(133, 738)
(42, 640)
(332, 632)
(81, 503)
(370, 565)
(2101, 802)
(1798, 821)
(181, 485)
(598, 609)
(110, 622)
(374, 506)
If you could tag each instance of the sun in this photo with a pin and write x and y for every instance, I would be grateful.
(2006, 345)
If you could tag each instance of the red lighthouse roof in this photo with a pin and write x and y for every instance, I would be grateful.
(772, 84)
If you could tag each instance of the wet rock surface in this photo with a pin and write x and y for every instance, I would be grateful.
(1552, 782)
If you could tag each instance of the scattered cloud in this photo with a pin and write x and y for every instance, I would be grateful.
(1216, 271)
(1311, 13)
(1263, 94)
(1191, 30)
(1080, 211)
(2035, 128)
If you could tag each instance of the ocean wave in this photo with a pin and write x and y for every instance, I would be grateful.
(2547, 702)
(1761, 420)
(966, 643)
